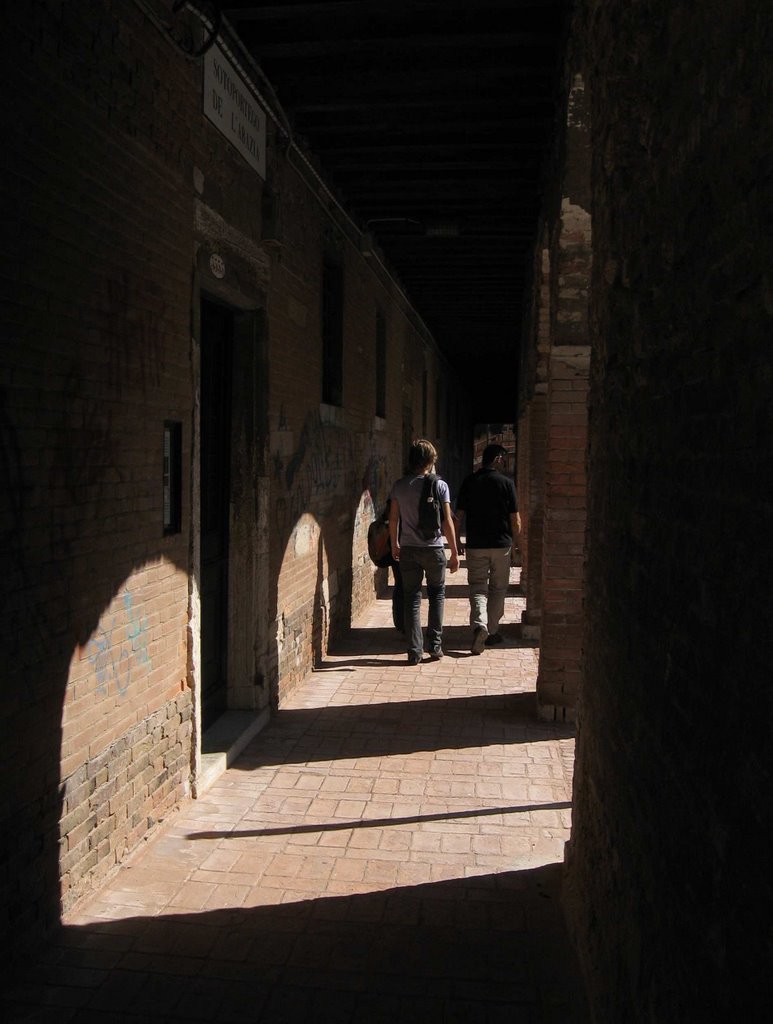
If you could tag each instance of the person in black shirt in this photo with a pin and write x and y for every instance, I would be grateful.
(488, 502)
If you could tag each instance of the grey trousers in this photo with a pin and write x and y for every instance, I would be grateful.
(414, 563)
(488, 576)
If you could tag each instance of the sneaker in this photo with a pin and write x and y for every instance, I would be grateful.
(494, 639)
(479, 638)
(436, 655)
(413, 659)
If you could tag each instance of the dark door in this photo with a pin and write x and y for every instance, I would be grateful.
(216, 369)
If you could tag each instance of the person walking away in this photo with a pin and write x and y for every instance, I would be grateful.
(487, 513)
(422, 555)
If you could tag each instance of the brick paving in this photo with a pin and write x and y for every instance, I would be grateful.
(387, 849)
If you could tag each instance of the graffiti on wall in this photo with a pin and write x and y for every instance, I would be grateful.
(375, 480)
(120, 647)
(323, 466)
(319, 469)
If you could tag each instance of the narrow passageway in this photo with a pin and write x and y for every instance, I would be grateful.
(388, 849)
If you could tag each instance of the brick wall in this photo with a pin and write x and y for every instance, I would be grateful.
(95, 357)
(493, 433)
(333, 466)
(553, 415)
(559, 677)
(117, 193)
(669, 876)
(532, 439)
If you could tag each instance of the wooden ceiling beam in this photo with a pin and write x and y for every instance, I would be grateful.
(369, 9)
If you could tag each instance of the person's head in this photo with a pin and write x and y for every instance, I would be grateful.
(494, 455)
(422, 456)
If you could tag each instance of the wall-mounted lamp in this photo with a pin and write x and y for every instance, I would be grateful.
(192, 25)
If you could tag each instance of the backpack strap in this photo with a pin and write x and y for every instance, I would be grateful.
(433, 477)
(430, 522)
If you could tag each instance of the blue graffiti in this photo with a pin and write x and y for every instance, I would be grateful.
(111, 649)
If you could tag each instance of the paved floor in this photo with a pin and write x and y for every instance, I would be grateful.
(387, 849)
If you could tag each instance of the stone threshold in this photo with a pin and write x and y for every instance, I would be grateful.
(222, 743)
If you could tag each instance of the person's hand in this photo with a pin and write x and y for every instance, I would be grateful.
(453, 563)
(396, 553)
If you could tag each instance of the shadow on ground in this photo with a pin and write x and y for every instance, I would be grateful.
(480, 949)
(343, 732)
(317, 828)
(387, 640)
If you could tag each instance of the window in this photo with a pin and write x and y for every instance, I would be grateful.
(381, 360)
(332, 332)
(424, 389)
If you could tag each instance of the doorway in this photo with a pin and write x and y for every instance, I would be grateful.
(217, 334)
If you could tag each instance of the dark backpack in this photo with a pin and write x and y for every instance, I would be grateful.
(379, 544)
(430, 509)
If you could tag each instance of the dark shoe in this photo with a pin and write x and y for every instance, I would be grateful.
(436, 655)
(479, 638)
(413, 659)
(494, 639)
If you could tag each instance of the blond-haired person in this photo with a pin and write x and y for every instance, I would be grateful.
(418, 556)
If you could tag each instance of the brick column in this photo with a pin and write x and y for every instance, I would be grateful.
(537, 440)
(531, 477)
(558, 682)
(522, 487)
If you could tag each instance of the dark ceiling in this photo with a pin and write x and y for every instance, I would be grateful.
(431, 121)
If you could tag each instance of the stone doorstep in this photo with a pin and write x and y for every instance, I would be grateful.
(222, 743)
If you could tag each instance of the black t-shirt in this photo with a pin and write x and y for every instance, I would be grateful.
(488, 499)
